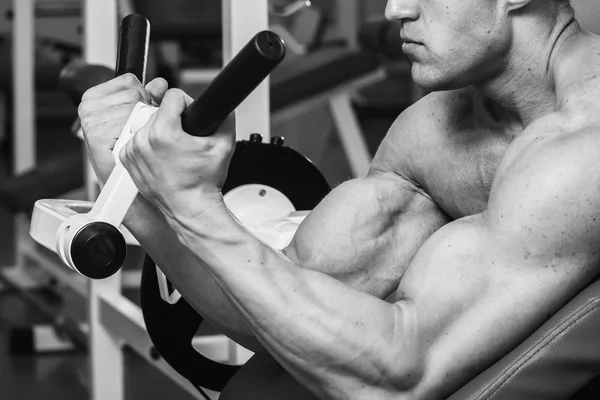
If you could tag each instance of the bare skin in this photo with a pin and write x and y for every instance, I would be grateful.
(478, 215)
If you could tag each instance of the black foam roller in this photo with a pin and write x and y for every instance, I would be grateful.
(134, 40)
(77, 77)
(50, 179)
(233, 84)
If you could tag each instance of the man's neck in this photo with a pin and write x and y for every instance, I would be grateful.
(525, 88)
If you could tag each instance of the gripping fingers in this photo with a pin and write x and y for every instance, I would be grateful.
(173, 105)
(106, 133)
(133, 156)
(138, 146)
(128, 96)
(101, 117)
(165, 126)
(118, 84)
(127, 155)
(105, 123)
(157, 89)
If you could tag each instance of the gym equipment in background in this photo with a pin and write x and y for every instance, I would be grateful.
(263, 179)
(111, 317)
(63, 172)
(92, 243)
(382, 38)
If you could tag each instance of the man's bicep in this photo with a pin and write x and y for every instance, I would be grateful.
(479, 286)
(470, 302)
(366, 231)
(546, 198)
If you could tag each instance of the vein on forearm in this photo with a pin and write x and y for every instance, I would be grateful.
(312, 323)
(187, 272)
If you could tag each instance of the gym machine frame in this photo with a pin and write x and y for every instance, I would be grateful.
(113, 320)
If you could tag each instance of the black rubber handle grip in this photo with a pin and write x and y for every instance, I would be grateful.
(233, 84)
(134, 39)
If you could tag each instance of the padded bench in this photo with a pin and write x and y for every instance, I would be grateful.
(305, 77)
(558, 362)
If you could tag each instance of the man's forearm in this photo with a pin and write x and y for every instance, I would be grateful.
(330, 336)
(192, 279)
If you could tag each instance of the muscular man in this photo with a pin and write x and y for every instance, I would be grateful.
(478, 219)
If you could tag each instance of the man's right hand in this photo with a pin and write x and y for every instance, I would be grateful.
(104, 110)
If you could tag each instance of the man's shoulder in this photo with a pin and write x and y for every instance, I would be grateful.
(566, 131)
(440, 109)
(421, 126)
(577, 75)
(557, 154)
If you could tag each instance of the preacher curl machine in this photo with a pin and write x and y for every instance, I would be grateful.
(267, 183)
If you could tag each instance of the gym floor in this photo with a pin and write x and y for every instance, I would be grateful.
(60, 376)
(64, 376)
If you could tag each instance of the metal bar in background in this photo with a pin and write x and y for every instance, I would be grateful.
(24, 145)
(100, 22)
(350, 133)
(64, 9)
(125, 322)
(348, 21)
(24, 122)
(242, 19)
(100, 40)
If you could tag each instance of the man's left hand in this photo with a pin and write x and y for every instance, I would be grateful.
(180, 174)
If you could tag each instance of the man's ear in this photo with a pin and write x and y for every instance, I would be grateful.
(513, 5)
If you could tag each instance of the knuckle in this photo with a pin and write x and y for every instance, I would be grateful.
(87, 124)
(91, 92)
(209, 145)
(155, 139)
(84, 108)
(133, 149)
(89, 121)
(86, 95)
(124, 156)
(136, 142)
(129, 79)
(92, 136)
(139, 143)
(174, 93)
(160, 126)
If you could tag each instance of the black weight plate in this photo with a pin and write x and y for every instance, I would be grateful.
(172, 327)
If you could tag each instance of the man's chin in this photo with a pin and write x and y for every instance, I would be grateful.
(430, 83)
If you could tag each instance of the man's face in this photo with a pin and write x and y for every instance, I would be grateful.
(458, 42)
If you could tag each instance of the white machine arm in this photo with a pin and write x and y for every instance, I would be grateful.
(90, 238)
(93, 243)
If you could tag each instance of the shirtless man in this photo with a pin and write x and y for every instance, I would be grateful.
(477, 220)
